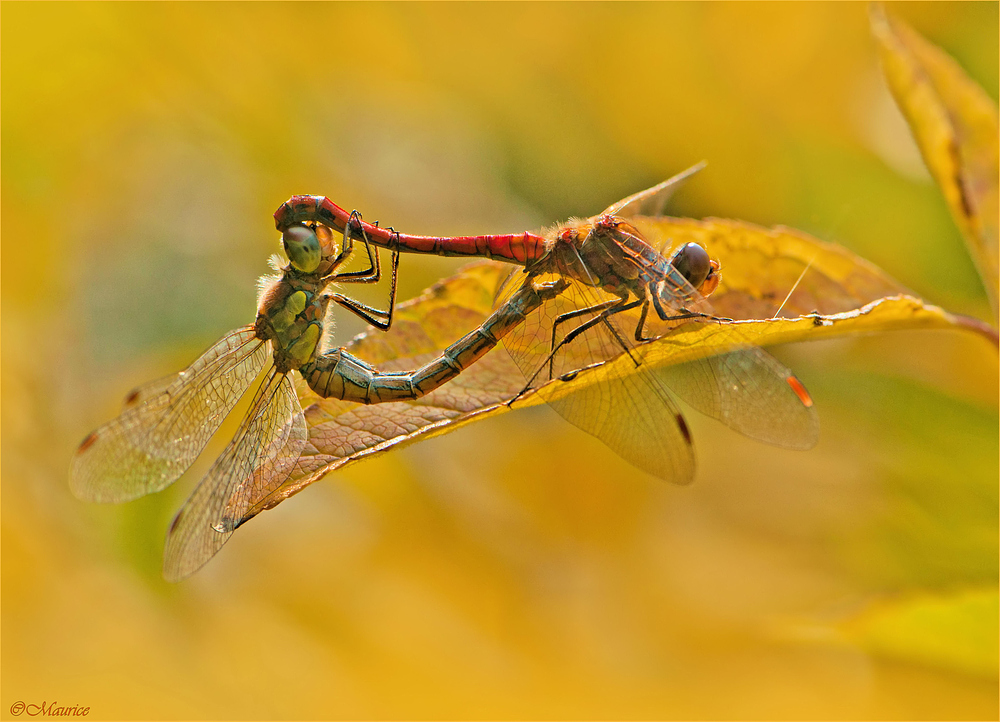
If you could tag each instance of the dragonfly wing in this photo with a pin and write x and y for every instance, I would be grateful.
(749, 391)
(744, 387)
(633, 414)
(166, 423)
(651, 201)
(256, 462)
(531, 343)
(149, 390)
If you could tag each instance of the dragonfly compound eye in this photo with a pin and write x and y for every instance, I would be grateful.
(302, 247)
(693, 263)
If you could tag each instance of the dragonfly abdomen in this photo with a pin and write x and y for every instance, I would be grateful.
(521, 248)
(340, 375)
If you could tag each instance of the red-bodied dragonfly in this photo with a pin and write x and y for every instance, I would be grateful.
(614, 275)
(167, 423)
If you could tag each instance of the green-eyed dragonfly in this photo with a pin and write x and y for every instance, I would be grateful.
(167, 423)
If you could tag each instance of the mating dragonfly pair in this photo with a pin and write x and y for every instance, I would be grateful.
(584, 297)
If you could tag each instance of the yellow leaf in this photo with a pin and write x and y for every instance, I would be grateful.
(764, 269)
(955, 631)
(956, 127)
(833, 292)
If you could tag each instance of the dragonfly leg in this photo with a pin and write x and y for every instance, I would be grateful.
(570, 315)
(684, 314)
(373, 273)
(640, 327)
(582, 312)
(621, 342)
(619, 306)
(338, 374)
(348, 245)
(376, 317)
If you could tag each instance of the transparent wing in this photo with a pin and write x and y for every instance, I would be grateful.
(749, 391)
(256, 462)
(531, 343)
(634, 414)
(652, 201)
(141, 394)
(745, 387)
(166, 423)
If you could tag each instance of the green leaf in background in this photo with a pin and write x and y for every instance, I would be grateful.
(956, 631)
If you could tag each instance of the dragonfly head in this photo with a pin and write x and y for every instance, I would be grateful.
(700, 271)
(302, 247)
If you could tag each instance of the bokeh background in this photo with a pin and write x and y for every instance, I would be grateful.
(516, 568)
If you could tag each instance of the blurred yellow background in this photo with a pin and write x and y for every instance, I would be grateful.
(516, 568)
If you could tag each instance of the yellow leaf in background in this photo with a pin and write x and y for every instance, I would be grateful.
(956, 631)
(956, 127)
(823, 291)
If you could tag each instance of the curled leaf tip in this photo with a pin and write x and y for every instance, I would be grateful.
(955, 124)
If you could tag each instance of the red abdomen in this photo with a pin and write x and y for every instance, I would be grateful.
(519, 248)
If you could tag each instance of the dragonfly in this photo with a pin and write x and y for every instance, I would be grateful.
(623, 290)
(167, 423)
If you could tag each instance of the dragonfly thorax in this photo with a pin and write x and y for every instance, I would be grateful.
(291, 315)
(605, 252)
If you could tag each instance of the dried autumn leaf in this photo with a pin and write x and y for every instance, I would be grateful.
(955, 124)
(822, 290)
(761, 267)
